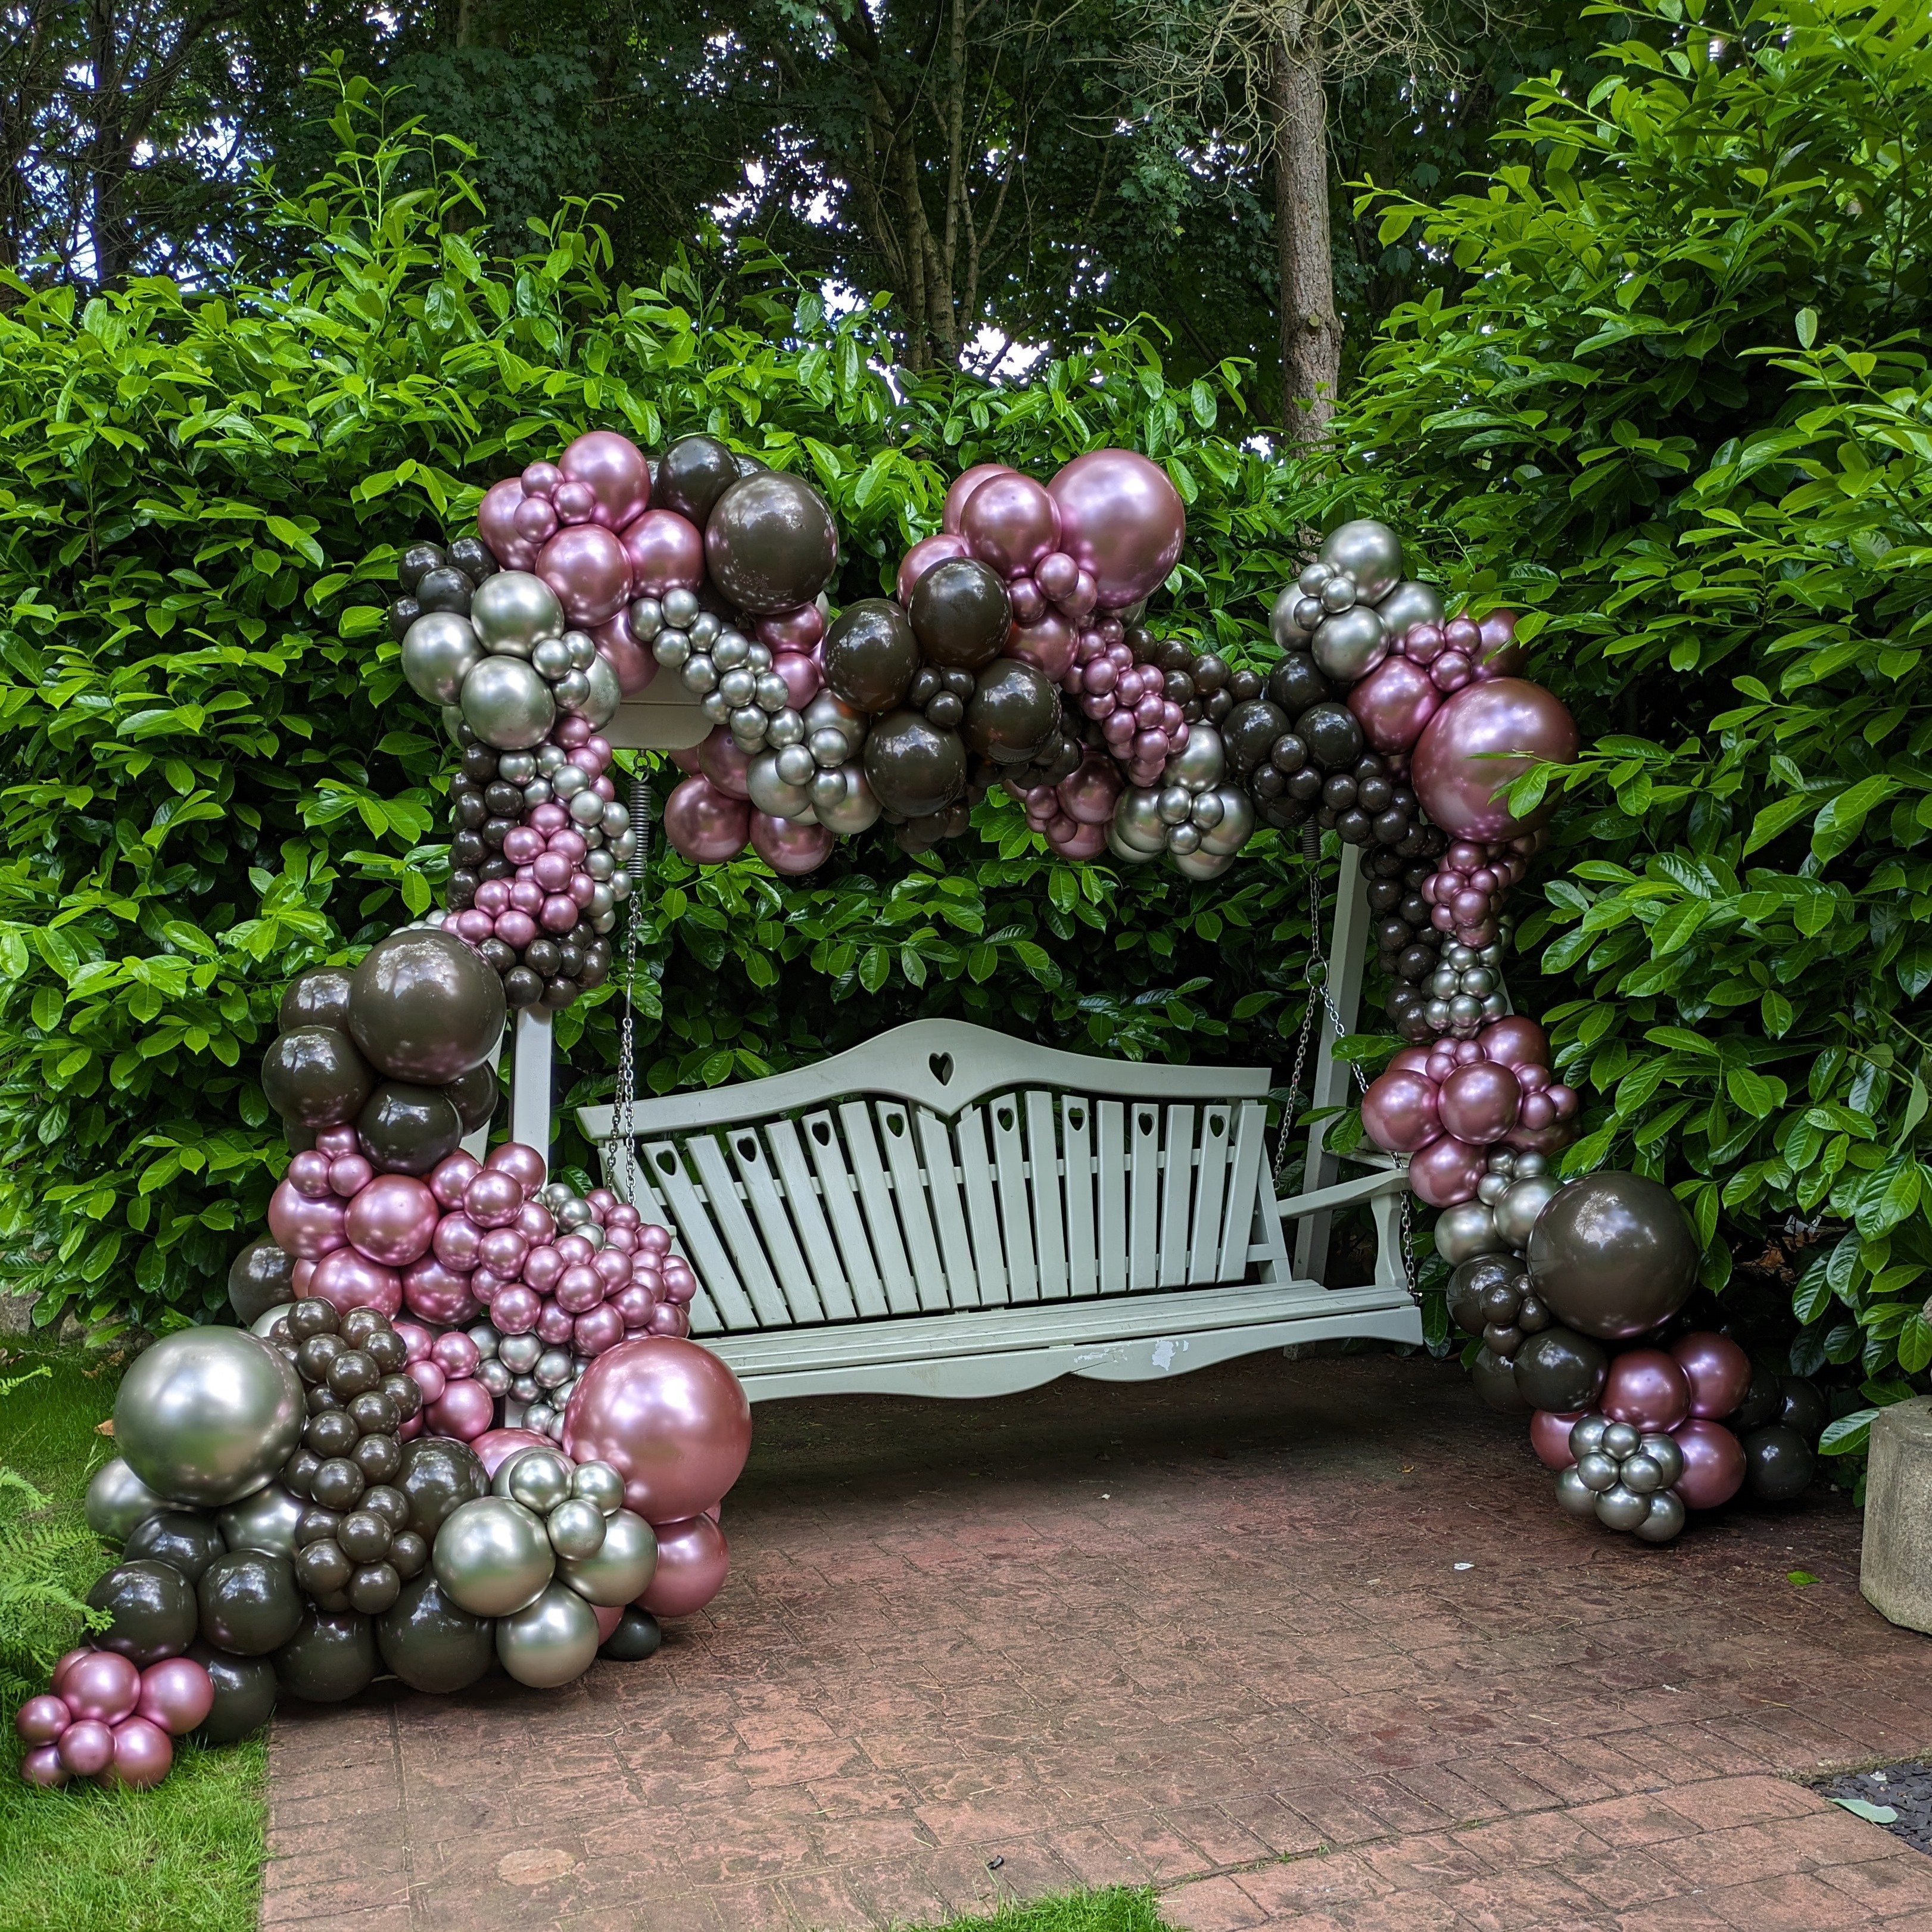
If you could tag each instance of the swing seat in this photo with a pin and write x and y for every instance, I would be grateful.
(946, 1211)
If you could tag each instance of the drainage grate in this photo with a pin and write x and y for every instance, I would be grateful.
(1904, 1790)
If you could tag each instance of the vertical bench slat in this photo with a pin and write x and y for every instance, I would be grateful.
(1049, 1212)
(698, 1237)
(759, 1178)
(821, 1255)
(983, 1213)
(948, 1210)
(1076, 1131)
(896, 1130)
(1210, 1189)
(1143, 1194)
(1238, 1217)
(728, 1217)
(1009, 1157)
(835, 1180)
(1110, 1186)
(875, 1198)
(1176, 1195)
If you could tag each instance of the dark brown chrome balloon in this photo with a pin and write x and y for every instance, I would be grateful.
(406, 1130)
(245, 1693)
(438, 1475)
(770, 544)
(1014, 706)
(180, 1538)
(152, 1605)
(1560, 1369)
(249, 1604)
(330, 1657)
(1496, 1385)
(913, 766)
(474, 1095)
(692, 475)
(258, 1280)
(1613, 1254)
(432, 1644)
(320, 997)
(870, 655)
(960, 613)
(423, 1007)
(315, 1078)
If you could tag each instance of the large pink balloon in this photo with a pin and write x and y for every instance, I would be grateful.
(176, 1694)
(618, 646)
(393, 1219)
(1550, 1436)
(727, 768)
(495, 1447)
(439, 1294)
(923, 555)
(1478, 1102)
(962, 488)
(1445, 1173)
(1399, 1112)
(1091, 794)
(1719, 1371)
(1484, 738)
(666, 552)
(1048, 645)
(1714, 1463)
(1393, 703)
(1515, 1041)
(1648, 1389)
(789, 845)
(1085, 842)
(345, 1279)
(1121, 520)
(613, 467)
(590, 571)
(495, 523)
(707, 825)
(1011, 522)
(692, 1559)
(305, 1228)
(670, 1417)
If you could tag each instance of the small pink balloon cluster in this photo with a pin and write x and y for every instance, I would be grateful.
(1427, 664)
(1073, 815)
(1447, 1105)
(1142, 726)
(459, 1398)
(1466, 892)
(104, 1718)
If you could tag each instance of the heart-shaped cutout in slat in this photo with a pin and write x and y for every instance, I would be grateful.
(941, 1064)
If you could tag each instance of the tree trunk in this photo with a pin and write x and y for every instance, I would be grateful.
(108, 158)
(1311, 336)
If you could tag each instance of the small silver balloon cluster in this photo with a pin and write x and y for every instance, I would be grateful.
(818, 777)
(1466, 991)
(732, 674)
(543, 1377)
(1346, 607)
(1624, 1478)
(1514, 1190)
(1192, 817)
(573, 1500)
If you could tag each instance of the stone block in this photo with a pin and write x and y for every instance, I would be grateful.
(1895, 1567)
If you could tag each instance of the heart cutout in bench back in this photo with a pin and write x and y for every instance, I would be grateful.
(941, 1064)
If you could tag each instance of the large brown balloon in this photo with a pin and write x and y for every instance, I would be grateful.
(1613, 1254)
(1249, 731)
(406, 1130)
(960, 613)
(245, 1693)
(153, 1607)
(315, 1078)
(181, 1539)
(870, 655)
(329, 1657)
(258, 1280)
(1013, 708)
(1495, 1385)
(250, 1602)
(432, 1644)
(914, 768)
(424, 1006)
(320, 997)
(770, 544)
(438, 1475)
(692, 474)
(474, 1095)
(1560, 1369)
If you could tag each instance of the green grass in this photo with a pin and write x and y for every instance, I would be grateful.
(186, 1855)
(1117, 1909)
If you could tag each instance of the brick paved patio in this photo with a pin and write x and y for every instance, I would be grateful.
(1302, 1644)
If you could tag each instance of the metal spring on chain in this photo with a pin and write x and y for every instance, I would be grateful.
(636, 867)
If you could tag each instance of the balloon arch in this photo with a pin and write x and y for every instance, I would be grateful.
(465, 1425)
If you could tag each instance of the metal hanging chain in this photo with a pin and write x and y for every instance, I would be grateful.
(638, 867)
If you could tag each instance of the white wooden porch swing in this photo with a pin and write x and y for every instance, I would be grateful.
(944, 1211)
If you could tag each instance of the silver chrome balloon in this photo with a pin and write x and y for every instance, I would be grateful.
(771, 792)
(492, 1557)
(551, 659)
(1171, 804)
(537, 1478)
(268, 1317)
(1200, 863)
(599, 705)
(1183, 839)
(507, 704)
(828, 792)
(1663, 1517)
(440, 650)
(576, 1528)
(1338, 593)
(1586, 1433)
(1200, 763)
(266, 1520)
(680, 609)
(1409, 604)
(1466, 1231)
(1640, 1475)
(795, 765)
(622, 1569)
(208, 1415)
(1137, 822)
(549, 1641)
(1235, 827)
(599, 1483)
(513, 612)
(118, 1499)
(519, 1353)
(1350, 644)
(1288, 633)
(859, 810)
(1596, 1471)
(1573, 1495)
(1620, 1439)
(1133, 855)
(1620, 1508)
(1369, 551)
(1667, 1454)
(647, 619)
(583, 648)
(1527, 1196)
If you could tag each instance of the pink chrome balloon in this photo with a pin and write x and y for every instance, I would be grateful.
(176, 1694)
(669, 1417)
(345, 1279)
(143, 1753)
(495, 523)
(692, 1559)
(1011, 522)
(590, 571)
(393, 1219)
(1485, 737)
(305, 1228)
(727, 768)
(1400, 1111)
(666, 552)
(1479, 1103)
(429, 1379)
(103, 1686)
(438, 1294)
(41, 1720)
(1091, 794)
(465, 1410)
(1393, 703)
(803, 678)
(495, 1447)
(789, 845)
(1446, 1172)
(1648, 1389)
(1718, 1370)
(962, 489)
(1499, 654)
(670, 1318)
(1550, 1436)
(613, 468)
(493, 1198)
(1122, 521)
(618, 646)
(1085, 842)
(68, 1659)
(1515, 1041)
(1049, 645)
(459, 1243)
(522, 1163)
(42, 1766)
(923, 555)
(86, 1748)
(798, 630)
(1714, 1463)
(608, 1618)
(705, 825)
(449, 1178)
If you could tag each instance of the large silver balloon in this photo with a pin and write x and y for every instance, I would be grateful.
(118, 1499)
(622, 1569)
(598, 706)
(1350, 644)
(1138, 824)
(1466, 1231)
(772, 793)
(1200, 863)
(515, 611)
(440, 650)
(1409, 603)
(208, 1415)
(268, 1317)
(550, 1640)
(1370, 552)
(492, 1557)
(1287, 634)
(266, 1520)
(1200, 763)
(1522, 1200)
(1127, 854)
(507, 703)
(857, 811)
(1237, 823)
